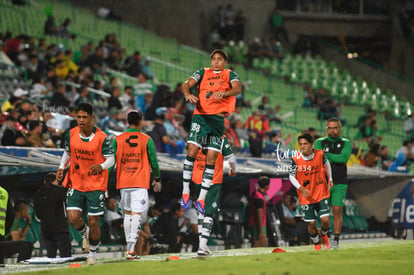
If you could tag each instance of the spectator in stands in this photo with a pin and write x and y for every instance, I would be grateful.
(63, 29)
(276, 49)
(49, 204)
(236, 115)
(114, 101)
(58, 98)
(11, 136)
(34, 67)
(159, 134)
(409, 125)
(143, 85)
(50, 26)
(68, 61)
(146, 68)
(82, 96)
(113, 121)
(368, 132)
(372, 158)
(257, 125)
(385, 159)
(34, 137)
(242, 133)
(257, 212)
(144, 101)
(289, 219)
(275, 116)
(277, 26)
(95, 61)
(132, 64)
(114, 219)
(14, 100)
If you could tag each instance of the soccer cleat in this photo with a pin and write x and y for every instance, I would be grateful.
(185, 201)
(334, 244)
(325, 241)
(317, 247)
(85, 240)
(91, 261)
(199, 205)
(131, 256)
(204, 252)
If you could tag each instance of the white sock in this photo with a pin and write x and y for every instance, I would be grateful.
(127, 226)
(206, 183)
(92, 250)
(133, 235)
(200, 223)
(205, 232)
(187, 173)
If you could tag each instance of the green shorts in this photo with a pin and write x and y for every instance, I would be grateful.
(93, 201)
(338, 194)
(321, 207)
(207, 131)
(212, 201)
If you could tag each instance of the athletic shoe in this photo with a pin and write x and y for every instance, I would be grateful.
(204, 252)
(185, 201)
(131, 256)
(317, 247)
(199, 205)
(334, 244)
(91, 261)
(85, 240)
(325, 241)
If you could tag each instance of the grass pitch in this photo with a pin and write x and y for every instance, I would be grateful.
(380, 257)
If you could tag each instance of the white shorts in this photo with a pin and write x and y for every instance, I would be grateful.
(134, 199)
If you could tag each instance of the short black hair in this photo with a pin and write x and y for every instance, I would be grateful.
(50, 177)
(134, 117)
(33, 124)
(306, 136)
(85, 107)
(220, 52)
(263, 181)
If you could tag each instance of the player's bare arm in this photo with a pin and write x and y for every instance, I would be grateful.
(235, 90)
(186, 91)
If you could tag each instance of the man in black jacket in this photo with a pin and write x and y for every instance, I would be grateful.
(49, 205)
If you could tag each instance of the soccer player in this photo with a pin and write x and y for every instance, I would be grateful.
(217, 88)
(308, 172)
(338, 150)
(90, 154)
(135, 158)
(205, 220)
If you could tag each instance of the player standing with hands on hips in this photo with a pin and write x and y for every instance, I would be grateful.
(217, 88)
